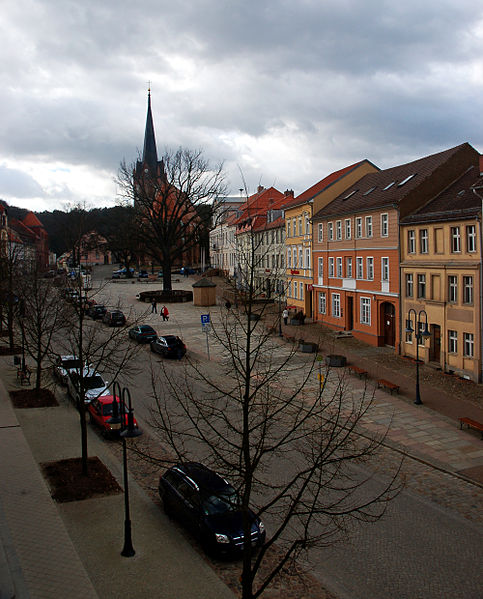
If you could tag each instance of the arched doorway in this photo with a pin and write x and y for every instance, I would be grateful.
(388, 312)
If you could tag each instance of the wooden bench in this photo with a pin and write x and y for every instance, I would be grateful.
(23, 375)
(361, 373)
(387, 385)
(470, 423)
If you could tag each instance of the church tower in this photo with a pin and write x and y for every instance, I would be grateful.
(149, 167)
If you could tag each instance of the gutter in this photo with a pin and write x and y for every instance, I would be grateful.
(479, 218)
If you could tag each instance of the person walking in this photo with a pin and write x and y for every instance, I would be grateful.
(165, 313)
(285, 316)
(154, 307)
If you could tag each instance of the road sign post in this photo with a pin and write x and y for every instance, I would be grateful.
(206, 326)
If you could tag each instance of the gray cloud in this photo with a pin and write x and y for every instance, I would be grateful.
(284, 91)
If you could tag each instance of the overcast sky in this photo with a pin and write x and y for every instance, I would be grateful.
(282, 91)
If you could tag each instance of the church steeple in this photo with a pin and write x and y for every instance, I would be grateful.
(150, 155)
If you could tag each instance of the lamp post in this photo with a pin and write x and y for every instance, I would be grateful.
(419, 335)
(280, 314)
(118, 422)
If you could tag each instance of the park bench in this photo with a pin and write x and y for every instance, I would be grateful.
(470, 423)
(388, 385)
(361, 373)
(23, 375)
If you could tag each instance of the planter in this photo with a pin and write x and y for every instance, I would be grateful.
(308, 348)
(335, 360)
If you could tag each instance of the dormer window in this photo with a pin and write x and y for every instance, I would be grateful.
(370, 190)
(350, 194)
(404, 181)
(388, 186)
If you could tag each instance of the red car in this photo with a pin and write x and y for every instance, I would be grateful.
(100, 412)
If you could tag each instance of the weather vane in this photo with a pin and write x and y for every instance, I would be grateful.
(149, 86)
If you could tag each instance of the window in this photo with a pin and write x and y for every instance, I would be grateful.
(336, 305)
(467, 290)
(409, 285)
(385, 269)
(471, 238)
(453, 289)
(307, 258)
(289, 258)
(370, 269)
(307, 224)
(339, 267)
(468, 345)
(409, 335)
(300, 225)
(338, 229)
(348, 268)
(320, 271)
(347, 228)
(422, 286)
(294, 257)
(301, 257)
(411, 242)
(365, 310)
(455, 240)
(288, 228)
(423, 241)
(359, 227)
(330, 231)
(301, 290)
(320, 229)
(331, 267)
(389, 186)
(452, 342)
(359, 268)
(404, 181)
(322, 303)
(295, 288)
(368, 226)
(384, 225)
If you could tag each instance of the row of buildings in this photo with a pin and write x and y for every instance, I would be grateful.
(394, 255)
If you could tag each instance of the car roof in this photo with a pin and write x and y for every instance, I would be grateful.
(146, 327)
(106, 399)
(65, 358)
(205, 479)
(169, 337)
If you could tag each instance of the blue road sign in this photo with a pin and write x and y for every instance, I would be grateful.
(205, 318)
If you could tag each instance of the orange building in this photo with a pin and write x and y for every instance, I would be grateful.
(357, 282)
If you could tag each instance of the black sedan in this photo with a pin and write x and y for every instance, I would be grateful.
(143, 333)
(96, 311)
(207, 504)
(169, 346)
(114, 318)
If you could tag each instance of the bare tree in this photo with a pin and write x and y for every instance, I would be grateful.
(291, 446)
(168, 205)
(13, 264)
(41, 317)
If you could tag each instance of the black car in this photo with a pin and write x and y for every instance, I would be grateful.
(208, 505)
(143, 333)
(114, 318)
(169, 346)
(96, 311)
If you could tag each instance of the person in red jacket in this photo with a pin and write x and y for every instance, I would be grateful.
(165, 313)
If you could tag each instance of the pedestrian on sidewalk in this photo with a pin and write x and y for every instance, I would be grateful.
(154, 307)
(227, 304)
(285, 316)
(165, 313)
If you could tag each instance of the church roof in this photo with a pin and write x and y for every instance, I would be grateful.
(150, 155)
(32, 221)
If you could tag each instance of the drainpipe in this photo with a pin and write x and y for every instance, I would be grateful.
(479, 218)
(400, 284)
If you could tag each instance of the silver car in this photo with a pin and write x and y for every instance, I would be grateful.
(64, 365)
(94, 385)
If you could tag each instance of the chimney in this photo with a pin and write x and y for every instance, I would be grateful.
(260, 188)
(481, 164)
(288, 193)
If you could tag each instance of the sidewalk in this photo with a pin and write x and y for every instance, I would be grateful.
(72, 550)
(429, 432)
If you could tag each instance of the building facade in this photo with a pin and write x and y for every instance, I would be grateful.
(441, 264)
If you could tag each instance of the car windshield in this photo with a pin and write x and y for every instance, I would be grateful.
(107, 409)
(146, 329)
(221, 503)
(93, 382)
(68, 364)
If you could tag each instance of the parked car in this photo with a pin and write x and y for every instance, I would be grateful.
(143, 274)
(209, 506)
(94, 385)
(64, 365)
(143, 333)
(100, 412)
(169, 346)
(114, 318)
(96, 311)
(121, 272)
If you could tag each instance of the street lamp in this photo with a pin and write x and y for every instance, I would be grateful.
(280, 334)
(118, 422)
(420, 334)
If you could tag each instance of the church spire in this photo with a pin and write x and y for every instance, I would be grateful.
(150, 156)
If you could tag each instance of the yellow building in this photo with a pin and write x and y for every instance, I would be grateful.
(441, 279)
